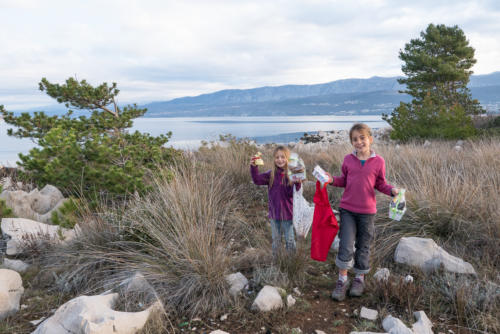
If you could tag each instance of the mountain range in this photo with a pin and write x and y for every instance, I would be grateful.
(371, 96)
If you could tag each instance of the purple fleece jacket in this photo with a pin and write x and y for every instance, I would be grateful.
(360, 183)
(280, 193)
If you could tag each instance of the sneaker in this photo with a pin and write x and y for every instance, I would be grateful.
(357, 287)
(340, 290)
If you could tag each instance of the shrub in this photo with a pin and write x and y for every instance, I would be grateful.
(5, 212)
(93, 155)
(67, 214)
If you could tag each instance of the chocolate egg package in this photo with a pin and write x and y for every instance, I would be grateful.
(397, 207)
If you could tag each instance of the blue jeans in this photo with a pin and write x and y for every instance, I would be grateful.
(285, 227)
(356, 231)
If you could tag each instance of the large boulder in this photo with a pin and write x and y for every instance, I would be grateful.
(11, 290)
(20, 230)
(93, 315)
(428, 256)
(268, 299)
(36, 205)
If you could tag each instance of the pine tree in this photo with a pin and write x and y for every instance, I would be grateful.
(95, 155)
(437, 68)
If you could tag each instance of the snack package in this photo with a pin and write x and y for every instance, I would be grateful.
(257, 159)
(296, 168)
(320, 175)
(397, 208)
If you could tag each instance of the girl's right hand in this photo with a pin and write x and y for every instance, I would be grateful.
(252, 160)
(330, 178)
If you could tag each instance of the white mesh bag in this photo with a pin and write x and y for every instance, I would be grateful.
(303, 213)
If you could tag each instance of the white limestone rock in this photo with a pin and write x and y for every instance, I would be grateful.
(218, 332)
(36, 205)
(16, 265)
(11, 290)
(93, 315)
(427, 255)
(395, 326)
(382, 274)
(237, 282)
(21, 229)
(369, 314)
(423, 324)
(267, 299)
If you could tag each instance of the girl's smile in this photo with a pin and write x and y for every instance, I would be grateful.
(361, 142)
(280, 159)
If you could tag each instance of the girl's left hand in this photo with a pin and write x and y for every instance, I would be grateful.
(394, 191)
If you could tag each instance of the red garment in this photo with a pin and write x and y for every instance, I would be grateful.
(324, 225)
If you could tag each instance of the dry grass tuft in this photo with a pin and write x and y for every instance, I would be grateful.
(176, 236)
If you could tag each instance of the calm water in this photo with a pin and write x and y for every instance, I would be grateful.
(188, 133)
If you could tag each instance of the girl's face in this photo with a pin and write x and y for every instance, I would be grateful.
(361, 142)
(280, 159)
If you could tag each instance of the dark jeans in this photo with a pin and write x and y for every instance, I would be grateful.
(356, 231)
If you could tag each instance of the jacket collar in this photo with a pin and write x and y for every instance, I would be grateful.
(372, 154)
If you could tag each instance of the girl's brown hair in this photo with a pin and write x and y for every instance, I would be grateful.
(286, 151)
(360, 127)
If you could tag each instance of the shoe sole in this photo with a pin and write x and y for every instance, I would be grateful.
(355, 294)
(338, 299)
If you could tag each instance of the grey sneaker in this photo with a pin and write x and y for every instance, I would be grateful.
(357, 287)
(340, 290)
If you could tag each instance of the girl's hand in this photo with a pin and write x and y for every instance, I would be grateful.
(330, 178)
(394, 191)
(252, 161)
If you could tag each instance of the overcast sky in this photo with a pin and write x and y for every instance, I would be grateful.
(159, 50)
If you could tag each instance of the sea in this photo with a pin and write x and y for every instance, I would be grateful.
(189, 132)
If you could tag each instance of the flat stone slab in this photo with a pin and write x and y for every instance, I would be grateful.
(369, 314)
(427, 255)
(21, 230)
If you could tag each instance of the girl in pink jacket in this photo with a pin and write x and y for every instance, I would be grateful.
(362, 172)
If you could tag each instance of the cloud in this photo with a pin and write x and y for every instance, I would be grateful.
(166, 49)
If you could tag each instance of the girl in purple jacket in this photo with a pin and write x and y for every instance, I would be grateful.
(280, 194)
(363, 171)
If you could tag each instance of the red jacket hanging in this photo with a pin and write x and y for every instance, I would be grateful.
(324, 226)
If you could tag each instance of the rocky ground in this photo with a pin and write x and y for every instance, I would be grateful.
(30, 300)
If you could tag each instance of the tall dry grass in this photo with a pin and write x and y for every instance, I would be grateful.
(177, 236)
(453, 198)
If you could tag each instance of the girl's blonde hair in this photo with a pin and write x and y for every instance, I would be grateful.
(362, 128)
(286, 151)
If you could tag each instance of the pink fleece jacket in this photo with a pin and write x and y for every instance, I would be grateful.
(360, 183)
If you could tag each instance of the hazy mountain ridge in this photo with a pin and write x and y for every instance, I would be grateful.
(375, 95)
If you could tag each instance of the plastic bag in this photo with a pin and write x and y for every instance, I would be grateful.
(296, 168)
(303, 213)
(397, 207)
